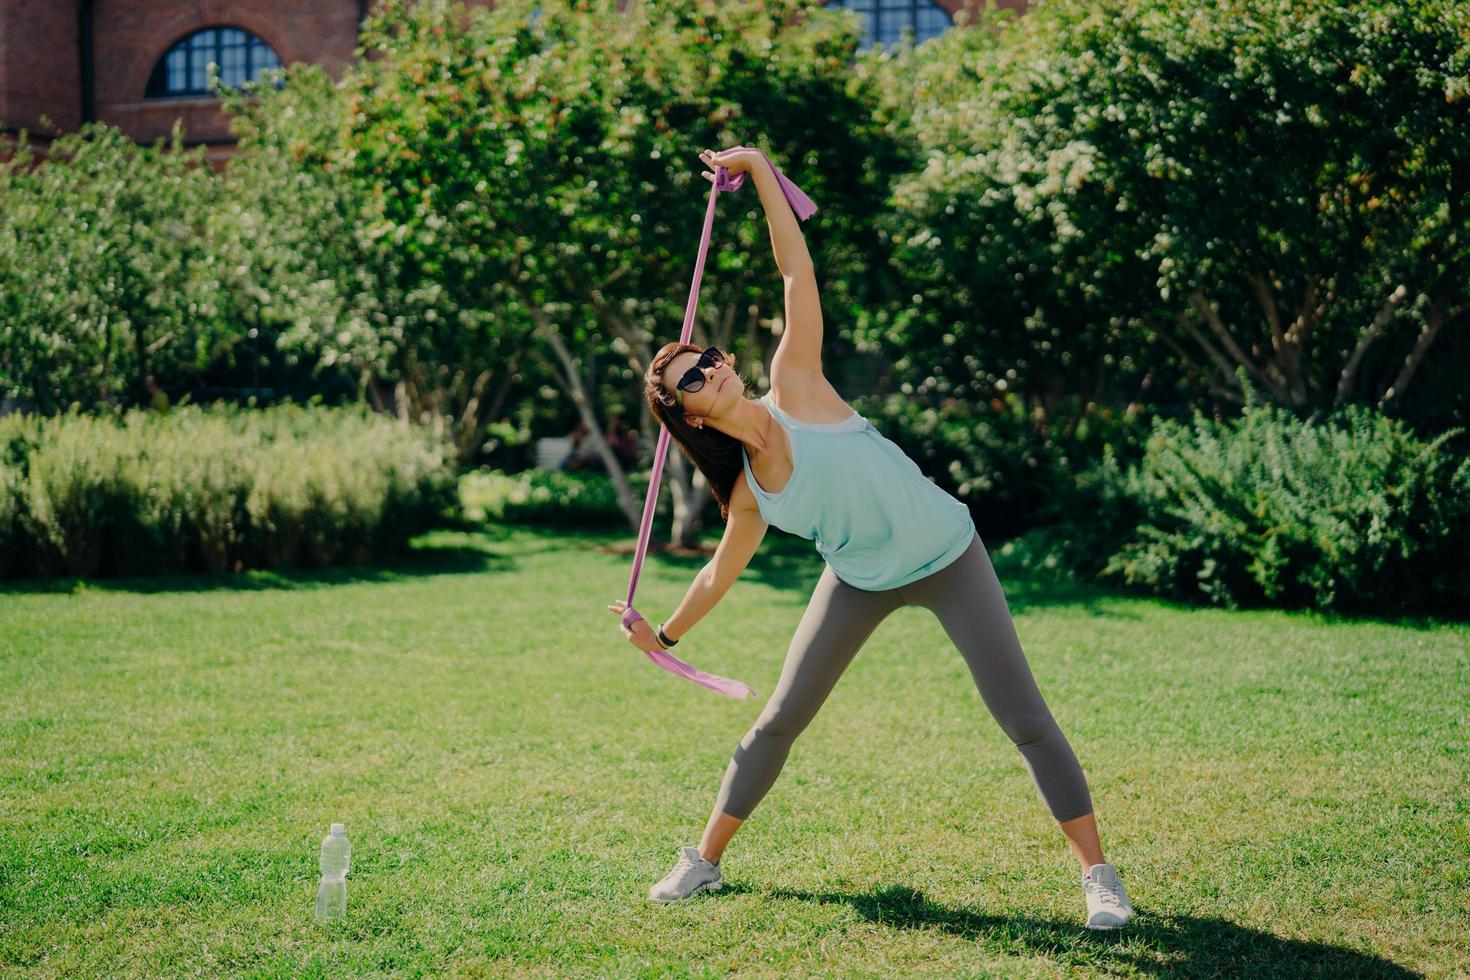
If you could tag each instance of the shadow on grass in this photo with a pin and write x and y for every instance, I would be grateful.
(788, 563)
(785, 563)
(1159, 945)
(423, 559)
(792, 564)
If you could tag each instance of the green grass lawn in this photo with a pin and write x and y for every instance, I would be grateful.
(1283, 794)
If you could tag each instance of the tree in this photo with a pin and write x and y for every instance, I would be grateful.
(1260, 184)
(537, 168)
(109, 281)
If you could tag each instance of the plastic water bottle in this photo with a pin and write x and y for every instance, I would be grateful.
(336, 860)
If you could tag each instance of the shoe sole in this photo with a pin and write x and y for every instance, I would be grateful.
(708, 886)
(1109, 928)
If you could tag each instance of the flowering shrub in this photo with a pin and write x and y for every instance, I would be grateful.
(212, 489)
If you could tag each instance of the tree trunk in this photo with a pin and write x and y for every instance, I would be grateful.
(140, 381)
(687, 485)
(570, 380)
(1350, 370)
(400, 400)
(467, 431)
(1271, 381)
(379, 395)
(682, 478)
(1219, 386)
(105, 378)
(1435, 319)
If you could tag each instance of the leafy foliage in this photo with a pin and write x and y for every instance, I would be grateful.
(213, 489)
(1142, 196)
(108, 276)
(1352, 513)
(1011, 468)
(548, 497)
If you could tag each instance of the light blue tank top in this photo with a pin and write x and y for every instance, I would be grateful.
(877, 520)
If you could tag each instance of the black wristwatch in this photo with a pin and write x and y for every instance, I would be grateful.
(663, 637)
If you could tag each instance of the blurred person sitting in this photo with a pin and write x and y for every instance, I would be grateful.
(622, 440)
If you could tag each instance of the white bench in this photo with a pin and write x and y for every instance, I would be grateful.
(551, 450)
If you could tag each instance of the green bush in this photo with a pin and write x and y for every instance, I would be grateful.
(1087, 517)
(213, 488)
(1352, 513)
(561, 497)
(110, 271)
(1001, 459)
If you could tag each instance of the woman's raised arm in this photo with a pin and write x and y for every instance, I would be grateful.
(787, 242)
(798, 358)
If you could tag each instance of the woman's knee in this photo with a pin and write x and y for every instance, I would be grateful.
(1025, 727)
(781, 719)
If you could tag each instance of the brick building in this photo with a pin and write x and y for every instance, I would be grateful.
(139, 64)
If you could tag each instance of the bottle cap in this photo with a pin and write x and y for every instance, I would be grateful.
(337, 828)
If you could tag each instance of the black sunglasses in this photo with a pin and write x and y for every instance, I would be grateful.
(693, 379)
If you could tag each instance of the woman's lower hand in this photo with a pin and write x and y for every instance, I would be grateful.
(640, 634)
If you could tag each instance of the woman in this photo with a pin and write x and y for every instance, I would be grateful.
(802, 459)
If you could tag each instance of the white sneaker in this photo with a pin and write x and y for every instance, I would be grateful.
(691, 875)
(1107, 903)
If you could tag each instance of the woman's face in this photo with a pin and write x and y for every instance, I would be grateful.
(721, 385)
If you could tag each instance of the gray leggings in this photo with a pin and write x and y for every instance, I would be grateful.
(967, 598)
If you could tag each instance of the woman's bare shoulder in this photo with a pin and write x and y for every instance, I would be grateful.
(809, 397)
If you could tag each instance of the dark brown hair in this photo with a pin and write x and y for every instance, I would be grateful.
(716, 454)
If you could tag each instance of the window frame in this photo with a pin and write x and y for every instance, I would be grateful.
(882, 10)
(212, 51)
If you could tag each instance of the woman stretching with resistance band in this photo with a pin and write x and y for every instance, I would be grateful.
(890, 538)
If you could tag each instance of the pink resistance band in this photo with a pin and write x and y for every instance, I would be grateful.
(804, 209)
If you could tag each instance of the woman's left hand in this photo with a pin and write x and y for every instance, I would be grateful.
(735, 161)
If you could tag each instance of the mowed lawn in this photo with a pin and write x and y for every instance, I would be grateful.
(1283, 794)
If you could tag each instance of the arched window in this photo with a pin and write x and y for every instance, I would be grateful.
(240, 55)
(884, 20)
